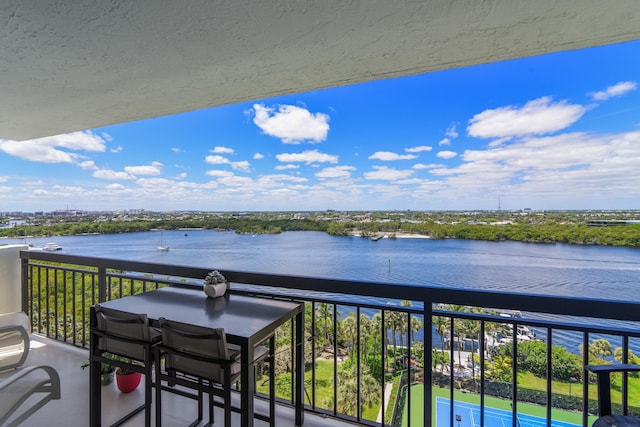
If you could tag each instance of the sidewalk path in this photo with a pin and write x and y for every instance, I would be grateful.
(387, 396)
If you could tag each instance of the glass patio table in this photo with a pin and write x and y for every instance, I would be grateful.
(247, 321)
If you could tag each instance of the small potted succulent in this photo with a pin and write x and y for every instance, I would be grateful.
(215, 284)
(106, 372)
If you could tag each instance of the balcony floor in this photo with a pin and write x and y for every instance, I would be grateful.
(73, 408)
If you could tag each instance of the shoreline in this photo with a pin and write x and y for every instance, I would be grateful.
(400, 235)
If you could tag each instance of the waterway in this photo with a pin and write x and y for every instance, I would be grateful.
(550, 269)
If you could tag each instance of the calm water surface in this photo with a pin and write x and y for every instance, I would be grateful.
(554, 269)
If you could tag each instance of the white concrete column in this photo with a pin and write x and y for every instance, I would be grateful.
(10, 277)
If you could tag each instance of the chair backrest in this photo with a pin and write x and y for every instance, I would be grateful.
(125, 333)
(195, 350)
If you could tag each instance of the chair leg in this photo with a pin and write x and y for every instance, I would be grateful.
(158, 392)
(227, 406)
(211, 407)
(148, 393)
(272, 383)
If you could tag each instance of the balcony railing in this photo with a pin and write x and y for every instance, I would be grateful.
(368, 355)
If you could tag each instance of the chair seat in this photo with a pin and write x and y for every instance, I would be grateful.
(617, 421)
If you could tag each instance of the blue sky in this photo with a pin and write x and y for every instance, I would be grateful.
(558, 131)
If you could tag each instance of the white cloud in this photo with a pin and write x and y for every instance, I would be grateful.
(219, 173)
(176, 150)
(451, 131)
(110, 174)
(445, 141)
(418, 149)
(155, 168)
(616, 90)
(115, 187)
(222, 150)
(48, 149)
(217, 160)
(241, 166)
(88, 165)
(160, 184)
(389, 156)
(387, 174)
(336, 172)
(4, 178)
(291, 124)
(308, 157)
(421, 166)
(116, 149)
(270, 180)
(447, 154)
(537, 117)
(258, 156)
(287, 167)
(182, 175)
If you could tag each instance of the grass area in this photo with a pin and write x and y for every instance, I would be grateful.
(528, 380)
(324, 394)
(323, 389)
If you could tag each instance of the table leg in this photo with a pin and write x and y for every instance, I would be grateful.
(95, 390)
(299, 377)
(247, 385)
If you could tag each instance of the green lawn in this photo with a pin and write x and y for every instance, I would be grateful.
(323, 389)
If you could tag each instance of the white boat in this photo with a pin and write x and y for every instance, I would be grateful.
(52, 247)
(160, 246)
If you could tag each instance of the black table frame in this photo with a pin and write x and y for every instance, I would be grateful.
(247, 320)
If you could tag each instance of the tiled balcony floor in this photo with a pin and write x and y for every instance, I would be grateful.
(73, 408)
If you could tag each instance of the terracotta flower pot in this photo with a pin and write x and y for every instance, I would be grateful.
(128, 382)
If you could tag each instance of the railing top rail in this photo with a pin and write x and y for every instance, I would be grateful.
(572, 306)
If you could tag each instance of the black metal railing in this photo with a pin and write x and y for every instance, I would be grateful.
(368, 354)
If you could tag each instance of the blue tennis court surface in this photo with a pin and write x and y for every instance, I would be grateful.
(470, 416)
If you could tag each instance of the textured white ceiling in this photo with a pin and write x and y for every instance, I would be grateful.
(78, 64)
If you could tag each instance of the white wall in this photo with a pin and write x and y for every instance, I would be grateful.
(10, 292)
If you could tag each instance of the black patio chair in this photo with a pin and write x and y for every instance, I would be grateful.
(129, 336)
(605, 417)
(200, 359)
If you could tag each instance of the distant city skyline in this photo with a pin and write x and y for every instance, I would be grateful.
(553, 132)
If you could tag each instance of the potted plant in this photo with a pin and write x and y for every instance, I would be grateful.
(127, 380)
(106, 372)
(215, 284)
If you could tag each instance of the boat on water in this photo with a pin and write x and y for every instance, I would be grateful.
(51, 247)
(160, 246)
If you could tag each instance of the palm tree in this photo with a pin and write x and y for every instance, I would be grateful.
(442, 326)
(501, 368)
(349, 330)
(324, 319)
(600, 347)
(460, 330)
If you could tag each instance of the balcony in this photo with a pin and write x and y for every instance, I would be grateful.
(365, 342)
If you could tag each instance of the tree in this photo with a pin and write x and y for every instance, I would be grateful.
(501, 368)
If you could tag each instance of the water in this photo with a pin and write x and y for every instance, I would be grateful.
(551, 269)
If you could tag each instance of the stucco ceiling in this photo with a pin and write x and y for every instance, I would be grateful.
(74, 65)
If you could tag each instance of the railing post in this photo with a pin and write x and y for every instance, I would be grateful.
(25, 286)
(102, 284)
(428, 362)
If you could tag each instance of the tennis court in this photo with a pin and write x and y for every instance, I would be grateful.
(469, 416)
